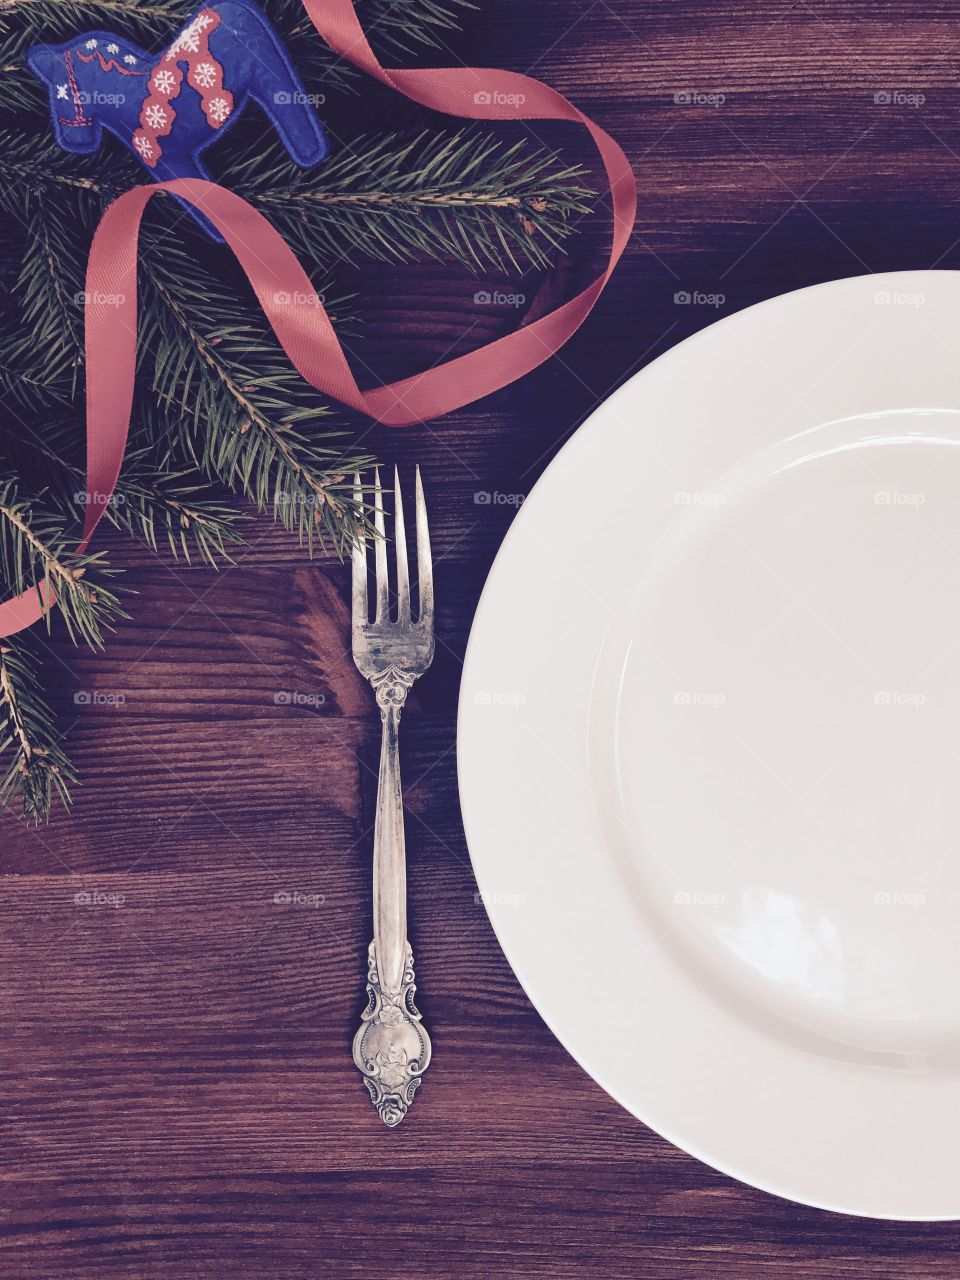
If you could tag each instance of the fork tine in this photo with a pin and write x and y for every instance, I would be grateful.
(360, 606)
(380, 553)
(424, 561)
(400, 538)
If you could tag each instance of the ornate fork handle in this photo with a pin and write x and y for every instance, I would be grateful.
(391, 1047)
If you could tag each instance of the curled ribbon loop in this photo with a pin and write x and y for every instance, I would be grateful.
(303, 327)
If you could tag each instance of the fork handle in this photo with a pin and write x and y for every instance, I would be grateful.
(389, 849)
(391, 1047)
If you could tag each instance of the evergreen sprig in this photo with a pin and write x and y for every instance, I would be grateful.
(35, 554)
(236, 406)
(461, 195)
(37, 767)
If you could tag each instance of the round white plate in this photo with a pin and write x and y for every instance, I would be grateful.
(709, 745)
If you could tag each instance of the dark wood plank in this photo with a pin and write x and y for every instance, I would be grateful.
(177, 1095)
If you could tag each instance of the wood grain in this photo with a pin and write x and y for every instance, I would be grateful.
(177, 1093)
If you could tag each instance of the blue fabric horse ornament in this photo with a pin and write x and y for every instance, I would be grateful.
(169, 108)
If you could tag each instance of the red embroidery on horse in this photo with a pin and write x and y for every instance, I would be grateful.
(204, 73)
(112, 65)
(78, 117)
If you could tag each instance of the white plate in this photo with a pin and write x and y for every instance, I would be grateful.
(709, 745)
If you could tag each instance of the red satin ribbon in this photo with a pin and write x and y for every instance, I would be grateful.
(302, 326)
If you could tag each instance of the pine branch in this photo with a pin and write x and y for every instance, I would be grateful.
(41, 321)
(50, 290)
(22, 393)
(39, 768)
(153, 500)
(463, 195)
(240, 408)
(33, 166)
(35, 553)
(396, 30)
(178, 507)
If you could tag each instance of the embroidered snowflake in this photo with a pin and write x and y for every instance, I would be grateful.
(188, 41)
(91, 44)
(164, 82)
(218, 109)
(155, 116)
(113, 48)
(61, 90)
(205, 75)
(143, 145)
(130, 60)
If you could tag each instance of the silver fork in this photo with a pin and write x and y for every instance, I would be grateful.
(391, 1047)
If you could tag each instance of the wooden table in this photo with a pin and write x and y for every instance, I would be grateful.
(178, 1098)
